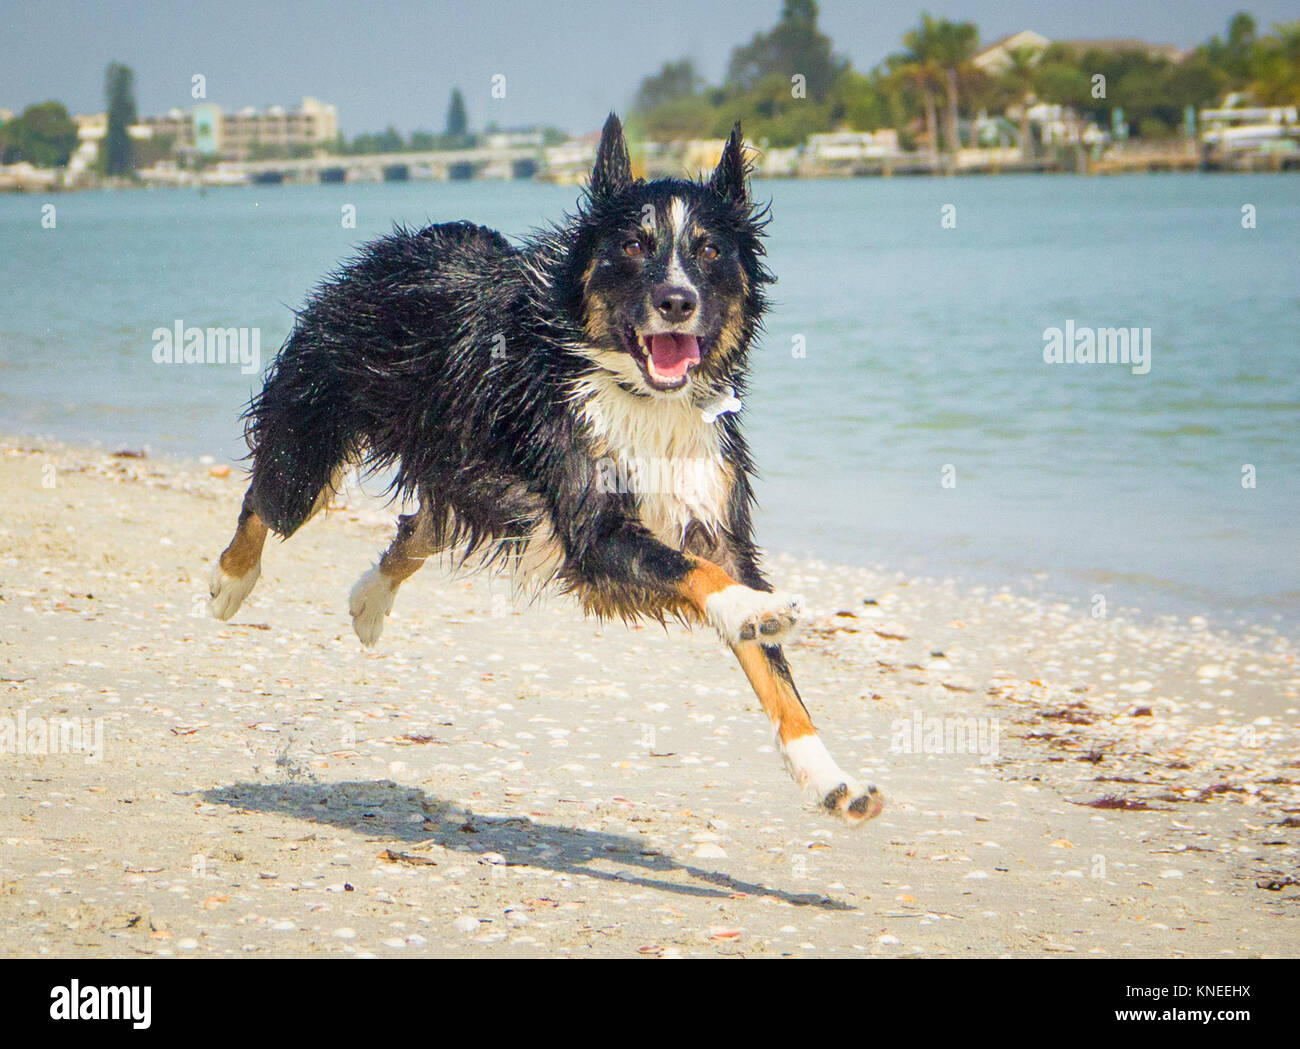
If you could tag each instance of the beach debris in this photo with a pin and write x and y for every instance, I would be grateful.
(1074, 714)
(394, 856)
(1122, 802)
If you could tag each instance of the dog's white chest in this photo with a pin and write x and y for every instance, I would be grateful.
(664, 454)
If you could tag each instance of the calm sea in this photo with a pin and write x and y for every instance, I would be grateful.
(902, 413)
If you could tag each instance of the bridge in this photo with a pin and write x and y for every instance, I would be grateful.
(518, 162)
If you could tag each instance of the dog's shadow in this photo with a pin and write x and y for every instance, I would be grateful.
(385, 811)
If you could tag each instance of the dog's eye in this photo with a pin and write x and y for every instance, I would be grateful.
(709, 252)
(633, 248)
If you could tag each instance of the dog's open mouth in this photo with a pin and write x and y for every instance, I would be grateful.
(666, 359)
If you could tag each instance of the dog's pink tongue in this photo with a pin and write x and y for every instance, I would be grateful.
(673, 354)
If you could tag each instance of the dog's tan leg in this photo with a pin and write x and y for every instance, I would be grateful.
(371, 598)
(806, 757)
(750, 620)
(239, 565)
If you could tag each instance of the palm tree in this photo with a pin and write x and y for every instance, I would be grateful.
(924, 78)
(956, 43)
(945, 48)
(1020, 75)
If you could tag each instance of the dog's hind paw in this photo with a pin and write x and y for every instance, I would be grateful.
(228, 591)
(741, 614)
(369, 602)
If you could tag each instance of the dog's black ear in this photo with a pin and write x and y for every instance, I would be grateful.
(613, 170)
(729, 176)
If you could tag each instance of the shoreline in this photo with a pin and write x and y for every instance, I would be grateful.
(904, 167)
(904, 172)
(1122, 789)
(1139, 602)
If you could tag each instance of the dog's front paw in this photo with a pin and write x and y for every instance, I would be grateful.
(369, 603)
(828, 786)
(741, 614)
(852, 803)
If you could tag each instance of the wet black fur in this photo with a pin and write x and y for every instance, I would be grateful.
(445, 355)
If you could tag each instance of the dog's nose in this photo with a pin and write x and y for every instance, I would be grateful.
(675, 304)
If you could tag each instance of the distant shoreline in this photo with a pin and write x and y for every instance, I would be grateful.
(1171, 158)
(862, 176)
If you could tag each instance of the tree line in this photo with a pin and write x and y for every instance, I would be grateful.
(45, 135)
(789, 82)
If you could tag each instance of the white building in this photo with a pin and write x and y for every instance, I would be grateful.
(996, 58)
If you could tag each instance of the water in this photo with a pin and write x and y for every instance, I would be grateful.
(924, 350)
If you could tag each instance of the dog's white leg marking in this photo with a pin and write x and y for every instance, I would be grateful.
(741, 614)
(827, 785)
(370, 601)
(228, 591)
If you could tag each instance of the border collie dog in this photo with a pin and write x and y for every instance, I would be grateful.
(566, 409)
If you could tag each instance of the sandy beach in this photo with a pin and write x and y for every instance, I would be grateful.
(495, 780)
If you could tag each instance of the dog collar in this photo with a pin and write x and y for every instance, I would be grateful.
(725, 401)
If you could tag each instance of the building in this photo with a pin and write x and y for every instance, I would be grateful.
(91, 129)
(175, 123)
(234, 135)
(850, 146)
(207, 130)
(570, 162)
(495, 140)
(996, 58)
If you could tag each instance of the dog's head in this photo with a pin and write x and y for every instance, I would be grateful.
(666, 277)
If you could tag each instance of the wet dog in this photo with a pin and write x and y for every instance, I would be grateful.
(567, 409)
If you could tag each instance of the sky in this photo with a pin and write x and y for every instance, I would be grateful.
(565, 64)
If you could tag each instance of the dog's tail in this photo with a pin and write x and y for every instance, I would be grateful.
(300, 435)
